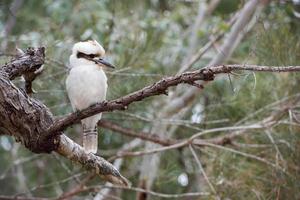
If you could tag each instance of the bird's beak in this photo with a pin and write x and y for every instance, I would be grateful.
(103, 62)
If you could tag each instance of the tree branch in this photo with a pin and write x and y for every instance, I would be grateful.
(160, 87)
(91, 162)
(28, 62)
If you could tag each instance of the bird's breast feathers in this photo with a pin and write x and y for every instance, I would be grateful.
(86, 86)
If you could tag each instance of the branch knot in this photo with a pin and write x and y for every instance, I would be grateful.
(208, 74)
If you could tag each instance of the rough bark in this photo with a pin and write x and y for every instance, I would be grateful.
(99, 165)
(21, 116)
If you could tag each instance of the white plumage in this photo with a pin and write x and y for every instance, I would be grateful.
(86, 85)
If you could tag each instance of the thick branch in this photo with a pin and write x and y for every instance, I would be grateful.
(31, 61)
(160, 87)
(23, 117)
(99, 165)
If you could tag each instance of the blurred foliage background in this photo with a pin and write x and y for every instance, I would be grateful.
(148, 40)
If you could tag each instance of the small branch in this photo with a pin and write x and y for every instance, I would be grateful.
(269, 121)
(103, 193)
(52, 184)
(266, 123)
(157, 194)
(192, 140)
(151, 151)
(202, 171)
(79, 187)
(131, 133)
(247, 155)
(218, 141)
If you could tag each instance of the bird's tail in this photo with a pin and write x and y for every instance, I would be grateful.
(90, 140)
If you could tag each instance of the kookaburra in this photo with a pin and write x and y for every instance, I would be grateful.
(86, 85)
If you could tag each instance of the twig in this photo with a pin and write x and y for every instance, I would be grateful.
(117, 163)
(52, 183)
(268, 133)
(191, 140)
(247, 155)
(202, 170)
(162, 195)
(77, 189)
(281, 101)
(66, 168)
(152, 151)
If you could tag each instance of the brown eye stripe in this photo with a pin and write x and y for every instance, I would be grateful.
(87, 56)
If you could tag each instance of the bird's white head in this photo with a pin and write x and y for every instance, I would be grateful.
(88, 53)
